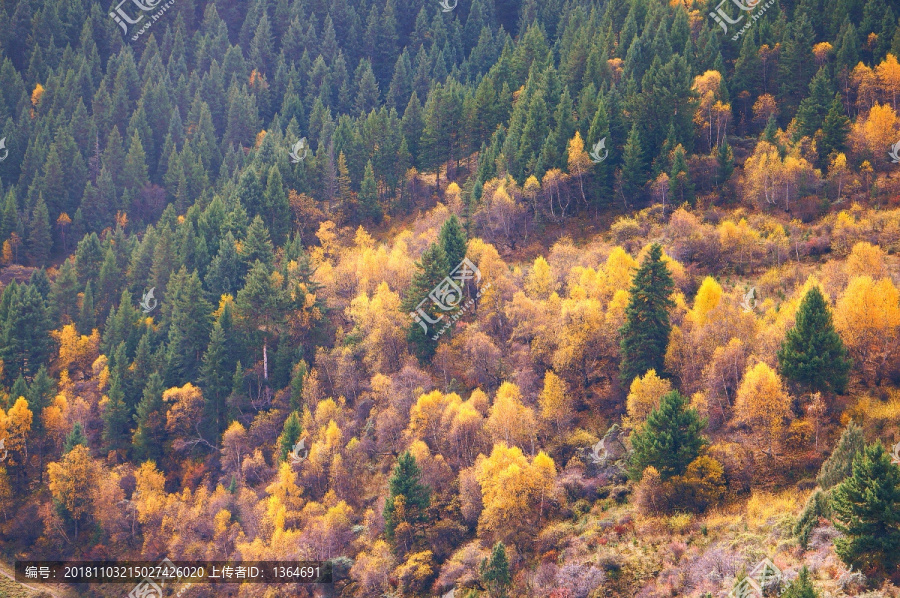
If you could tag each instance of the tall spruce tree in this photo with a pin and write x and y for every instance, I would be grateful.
(867, 511)
(645, 334)
(453, 241)
(115, 416)
(74, 438)
(839, 464)
(494, 572)
(835, 129)
(289, 437)
(150, 434)
(670, 439)
(408, 497)
(369, 207)
(433, 267)
(812, 353)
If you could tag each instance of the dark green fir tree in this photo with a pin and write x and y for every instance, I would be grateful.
(670, 439)
(494, 570)
(645, 335)
(289, 437)
(408, 499)
(432, 269)
(867, 511)
(813, 354)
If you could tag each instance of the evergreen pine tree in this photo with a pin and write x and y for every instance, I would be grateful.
(215, 380)
(818, 506)
(815, 106)
(603, 172)
(9, 222)
(432, 269)
(835, 129)
(40, 391)
(88, 258)
(453, 241)
(839, 464)
(679, 179)
(277, 208)
(74, 438)
(63, 301)
(634, 169)
(670, 439)
(24, 333)
(39, 239)
(297, 377)
(405, 488)
(867, 511)
(19, 390)
(115, 416)
(150, 433)
(645, 335)
(494, 572)
(257, 245)
(725, 159)
(812, 353)
(801, 587)
(369, 207)
(289, 437)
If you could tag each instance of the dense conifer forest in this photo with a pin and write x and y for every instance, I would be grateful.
(492, 299)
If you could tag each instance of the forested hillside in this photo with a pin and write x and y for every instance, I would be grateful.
(505, 298)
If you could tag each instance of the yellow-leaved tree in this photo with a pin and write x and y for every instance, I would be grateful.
(763, 404)
(72, 483)
(644, 396)
(540, 282)
(555, 401)
(867, 316)
(515, 492)
(578, 161)
(511, 421)
(76, 352)
(15, 426)
(184, 414)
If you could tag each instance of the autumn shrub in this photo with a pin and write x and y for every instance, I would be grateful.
(416, 572)
(874, 414)
(579, 580)
(626, 232)
(679, 523)
(771, 512)
(702, 485)
(649, 494)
